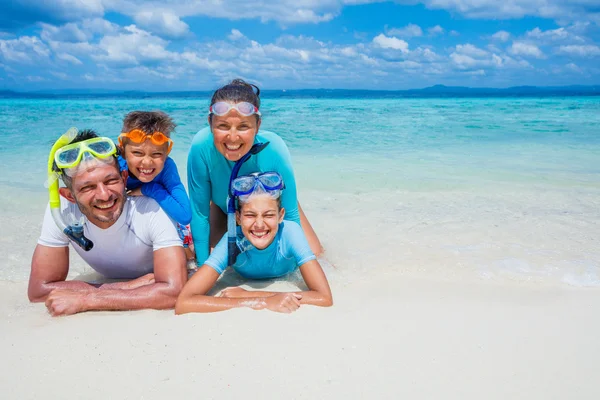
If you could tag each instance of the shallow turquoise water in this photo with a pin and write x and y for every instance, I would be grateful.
(381, 168)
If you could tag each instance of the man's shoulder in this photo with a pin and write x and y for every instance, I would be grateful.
(143, 206)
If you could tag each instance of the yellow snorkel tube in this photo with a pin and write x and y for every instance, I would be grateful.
(74, 231)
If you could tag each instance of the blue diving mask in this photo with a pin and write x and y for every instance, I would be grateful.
(266, 182)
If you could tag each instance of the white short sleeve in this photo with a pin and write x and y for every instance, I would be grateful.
(51, 235)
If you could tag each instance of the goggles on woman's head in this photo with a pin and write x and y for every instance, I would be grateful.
(70, 155)
(139, 136)
(268, 181)
(244, 108)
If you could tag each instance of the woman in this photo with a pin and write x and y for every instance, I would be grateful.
(234, 120)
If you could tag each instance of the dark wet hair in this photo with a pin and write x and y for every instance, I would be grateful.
(237, 91)
(149, 122)
(81, 136)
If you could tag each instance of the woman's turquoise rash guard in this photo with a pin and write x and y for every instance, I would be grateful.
(208, 180)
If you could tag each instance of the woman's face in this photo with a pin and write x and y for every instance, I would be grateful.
(234, 134)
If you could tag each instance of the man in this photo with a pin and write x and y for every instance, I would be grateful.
(132, 238)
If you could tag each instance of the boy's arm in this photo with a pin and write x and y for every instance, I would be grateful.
(170, 193)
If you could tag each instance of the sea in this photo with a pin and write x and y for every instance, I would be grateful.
(495, 189)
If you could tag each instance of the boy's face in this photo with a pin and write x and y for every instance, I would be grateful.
(145, 160)
(259, 219)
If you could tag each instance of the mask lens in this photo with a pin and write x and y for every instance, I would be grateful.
(245, 108)
(100, 148)
(270, 181)
(67, 157)
(221, 108)
(243, 184)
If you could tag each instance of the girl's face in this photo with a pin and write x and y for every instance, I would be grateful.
(145, 160)
(233, 134)
(259, 219)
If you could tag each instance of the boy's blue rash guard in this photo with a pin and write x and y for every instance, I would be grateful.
(208, 180)
(167, 189)
(288, 251)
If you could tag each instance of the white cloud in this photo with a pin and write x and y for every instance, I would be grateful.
(161, 22)
(25, 49)
(563, 35)
(69, 58)
(386, 42)
(526, 50)
(235, 35)
(132, 47)
(66, 33)
(573, 68)
(501, 36)
(470, 50)
(573, 10)
(410, 30)
(436, 30)
(580, 50)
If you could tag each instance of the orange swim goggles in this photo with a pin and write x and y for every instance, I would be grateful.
(139, 136)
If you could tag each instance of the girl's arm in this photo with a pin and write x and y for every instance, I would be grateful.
(318, 293)
(193, 297)
(170, 193)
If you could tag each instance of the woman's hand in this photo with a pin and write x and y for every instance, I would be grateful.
(283, 302)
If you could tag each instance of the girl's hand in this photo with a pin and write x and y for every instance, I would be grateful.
(283, 302)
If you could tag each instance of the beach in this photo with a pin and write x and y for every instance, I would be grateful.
(461, 241)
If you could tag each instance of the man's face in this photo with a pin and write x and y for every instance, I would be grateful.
(99, 192)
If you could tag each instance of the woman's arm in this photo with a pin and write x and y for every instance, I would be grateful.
(199, 191)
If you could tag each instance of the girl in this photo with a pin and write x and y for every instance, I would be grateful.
(270, 247)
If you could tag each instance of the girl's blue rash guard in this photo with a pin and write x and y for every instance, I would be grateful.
(288, 251)
(167, 189)
(208, 180)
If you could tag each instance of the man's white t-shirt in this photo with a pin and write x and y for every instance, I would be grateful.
(124, 250)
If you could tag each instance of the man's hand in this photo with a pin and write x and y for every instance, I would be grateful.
(283, 302)
(66, 302)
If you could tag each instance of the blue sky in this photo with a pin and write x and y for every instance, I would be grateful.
(363, 44)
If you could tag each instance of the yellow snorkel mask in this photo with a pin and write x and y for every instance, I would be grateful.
(65, 156)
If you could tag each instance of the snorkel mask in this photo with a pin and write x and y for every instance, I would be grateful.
(270, 183)
(68, 158)
(232, 248)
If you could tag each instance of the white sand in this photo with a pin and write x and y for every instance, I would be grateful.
(395, 337)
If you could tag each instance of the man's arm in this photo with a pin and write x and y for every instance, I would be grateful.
(49, 269)
(169, 277)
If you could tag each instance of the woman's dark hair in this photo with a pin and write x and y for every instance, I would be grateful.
(237, 91)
